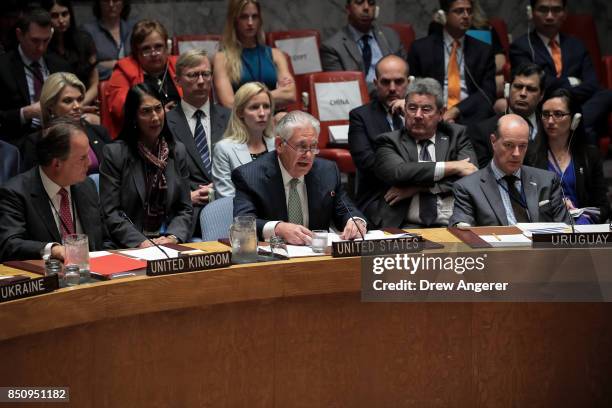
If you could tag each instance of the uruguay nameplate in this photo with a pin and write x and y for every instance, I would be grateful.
(27, 288)
(190, 263)
(341, 249)
(572, 240)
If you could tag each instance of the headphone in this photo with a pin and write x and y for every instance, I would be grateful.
(575, 121)
(507, 90)
(440, 17)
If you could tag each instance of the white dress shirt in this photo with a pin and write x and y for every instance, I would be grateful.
(190, 111)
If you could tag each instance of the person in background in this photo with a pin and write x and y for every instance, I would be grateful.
(10, 161)
(244, 57)
(144, 177)
(564, 151)
(248, 135)
(111, 32)
(149, 62)
(62, 96)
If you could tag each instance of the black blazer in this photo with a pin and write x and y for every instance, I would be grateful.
(426, 59)
(15, 94)
(366, 123)
(591, 187)
(198, 175)
(27, 220)
(97, 135)
(122, 188)
(260, 192)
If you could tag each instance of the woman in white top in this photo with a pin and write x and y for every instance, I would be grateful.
(248, 135)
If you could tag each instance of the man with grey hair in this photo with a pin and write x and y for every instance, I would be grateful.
(506, 192)
(198, 124)
(290, 191)
(421, 161)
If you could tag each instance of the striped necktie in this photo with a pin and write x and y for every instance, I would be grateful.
(428, 206)
(200, 140)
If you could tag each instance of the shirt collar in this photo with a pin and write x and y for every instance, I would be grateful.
(500, 174)
(356, 34)
(546, 40)
(26, 60)
(448, 40)
(285, 174)
(50, 186)
(190, 109)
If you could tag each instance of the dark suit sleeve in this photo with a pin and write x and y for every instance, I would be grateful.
(182, 210)
(330, 60)
(464, 150)
(477, 101)
(244, 200)
(557, 208)
(597, 188)
(360, 145)
(463, 209)
(391, 166)
(341, 216)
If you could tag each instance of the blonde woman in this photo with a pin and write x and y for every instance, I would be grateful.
(244, 57)
(248, 135)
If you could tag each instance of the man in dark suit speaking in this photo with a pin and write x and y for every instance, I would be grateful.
(290, 191)
(40, 207)
(506, 192)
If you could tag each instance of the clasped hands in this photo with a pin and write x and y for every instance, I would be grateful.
(296, 234)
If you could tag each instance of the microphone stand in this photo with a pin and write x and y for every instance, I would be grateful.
(123, 215)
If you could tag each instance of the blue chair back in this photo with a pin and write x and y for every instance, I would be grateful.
(96, 179)
(216, 218)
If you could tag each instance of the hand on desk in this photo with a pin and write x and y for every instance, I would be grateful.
(58, 252)
(293, 234)
(352, 229)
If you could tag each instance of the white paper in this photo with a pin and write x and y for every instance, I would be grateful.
(336, 99)
(530, 228)
(338, 134)
(210, 46)
(303, 52)
(507, 240)
(151, 253)
(593, 228)
(296, 251)
(97, 254)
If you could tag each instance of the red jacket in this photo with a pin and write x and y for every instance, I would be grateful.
(126, 74)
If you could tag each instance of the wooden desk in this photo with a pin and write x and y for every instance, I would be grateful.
(295, 334)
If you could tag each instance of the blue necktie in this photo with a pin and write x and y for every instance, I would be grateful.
(366, 53)
(200, 140)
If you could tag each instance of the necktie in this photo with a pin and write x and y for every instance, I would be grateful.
(520, 213)
(398, 123)
(428, 207)
(556, 56)
(294, 206)
(67, 226)
(366, 53)
(37, 79)
(454, 77)
(200, 140)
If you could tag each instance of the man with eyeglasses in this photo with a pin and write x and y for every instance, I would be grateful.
(291, 192)
(567, 63)
(507, 192)
(421, 161)
(384, 113)
(463, 65)
(22, 74)
(360, 44)
(199, 124)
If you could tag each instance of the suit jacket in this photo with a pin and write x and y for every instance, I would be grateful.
(198, 175)
(15, 94)
(574, 55)
(228, 155)
(479, 203)
(97, 135)
(591, 187)
(341, 52)
(123, 188)
(9, 161)
(397, 162)
(366, 124)
(27, 220)
(260, 192)
(426, 59)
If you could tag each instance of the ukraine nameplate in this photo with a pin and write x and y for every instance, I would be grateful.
(341, 249)
(189, 263)
(27, 288)
(572, 240)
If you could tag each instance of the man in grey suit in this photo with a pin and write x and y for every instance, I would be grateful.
(361, 44)
(421, 161)
(198, 124)
(506, 191)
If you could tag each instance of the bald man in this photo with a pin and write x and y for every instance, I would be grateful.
(506, 192)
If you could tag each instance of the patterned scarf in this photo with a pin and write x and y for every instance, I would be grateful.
(156, 186)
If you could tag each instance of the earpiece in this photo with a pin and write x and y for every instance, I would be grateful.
(440, 17)
(575, 121)
(376, 12)
(506, 90)
(529, 13)
(411, 79)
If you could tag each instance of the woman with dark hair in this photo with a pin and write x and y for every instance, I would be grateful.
(111, 33)
(144, 178)
(75, 46)
(560, 147)
(150, 62)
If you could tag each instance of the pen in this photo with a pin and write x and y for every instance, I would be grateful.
(496, 237)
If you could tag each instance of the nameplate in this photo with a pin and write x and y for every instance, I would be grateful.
(190, 263)
(27, 288)
(341, 249)
(572, 240)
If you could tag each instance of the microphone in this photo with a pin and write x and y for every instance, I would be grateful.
(571, 217)
(123, 215)
(346, 207)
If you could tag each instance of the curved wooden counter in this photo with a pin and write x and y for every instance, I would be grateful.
(295, 334)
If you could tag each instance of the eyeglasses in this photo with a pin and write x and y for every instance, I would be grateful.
(155, 50)
(462, 10)
(545, 10)
(194, 76)
(148, 110)
(426, 109)
(556, 115)
(302, 150)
